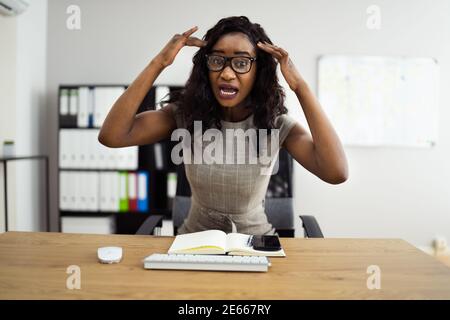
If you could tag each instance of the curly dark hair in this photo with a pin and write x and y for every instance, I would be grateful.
(197, 102)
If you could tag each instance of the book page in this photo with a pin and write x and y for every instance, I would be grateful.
(203, 242)
(237, 242)
(237, 246)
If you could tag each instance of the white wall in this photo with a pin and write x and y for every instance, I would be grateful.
(23, 112)
(8, 32)
(31, 114)
(391, 192)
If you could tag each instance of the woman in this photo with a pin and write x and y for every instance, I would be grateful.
(233, 85)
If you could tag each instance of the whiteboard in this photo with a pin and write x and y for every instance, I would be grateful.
(381, 101)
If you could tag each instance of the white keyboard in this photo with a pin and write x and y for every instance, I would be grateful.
(206, 262)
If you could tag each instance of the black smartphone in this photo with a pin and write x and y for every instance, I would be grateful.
(266, 243)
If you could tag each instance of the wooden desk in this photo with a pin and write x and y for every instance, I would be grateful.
(33, 266)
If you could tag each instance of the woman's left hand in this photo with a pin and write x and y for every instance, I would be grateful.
(290, 73)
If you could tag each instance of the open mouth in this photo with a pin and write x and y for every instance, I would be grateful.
(227, 92)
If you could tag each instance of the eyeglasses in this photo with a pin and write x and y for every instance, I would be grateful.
(238, 64)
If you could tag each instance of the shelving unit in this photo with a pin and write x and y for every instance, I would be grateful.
(152, 159)
(4, 161)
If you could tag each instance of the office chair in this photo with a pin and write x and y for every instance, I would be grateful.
(278, 203)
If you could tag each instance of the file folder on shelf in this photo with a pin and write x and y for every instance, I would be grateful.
(72, 190)
(91, 108)
(104, 99)
(83, 191)
(123, 195)
(114, 188)
(171, 184)
(142, 194)
(64, 102)
(93, 225)
(80, 193)
(171, 188)
(63, 152)
(159, 158)
(63, 191)
(104, 191)
(83, 107)
(93, 191)
(132, 192)
(87, 188)
(80, 149)
(73, 102)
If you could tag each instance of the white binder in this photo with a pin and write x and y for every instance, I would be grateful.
(127, 158)
(103, 191)
(87, 189)
(91, 225)
(158, 156)
(72, 182)
(101, 156)
(113, 156)
(133, 158)
(121, 158)
(171, 184)
(90, 149)
(105, 97)
(115, 188)
(93, 191)
(78, 141)
(72, 147)
(63, 155)
(83, 107)
(84, 190)
(63, 192)
(73, 102)
(80, 191)
(65, 181)
(98, 101)
(83, 148)
(64, 102)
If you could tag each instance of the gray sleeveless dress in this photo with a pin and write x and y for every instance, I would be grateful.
(230, 197)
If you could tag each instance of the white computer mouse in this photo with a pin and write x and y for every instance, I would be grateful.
(109, 254)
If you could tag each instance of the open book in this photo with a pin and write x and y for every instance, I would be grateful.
(218, 242)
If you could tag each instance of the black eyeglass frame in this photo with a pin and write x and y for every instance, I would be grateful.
(252, 59)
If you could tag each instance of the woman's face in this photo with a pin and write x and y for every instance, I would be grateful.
(230, 87)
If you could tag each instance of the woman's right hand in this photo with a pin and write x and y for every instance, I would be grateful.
(178, 41)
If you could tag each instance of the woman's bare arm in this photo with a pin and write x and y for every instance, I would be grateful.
(122, 127)
(322, 154)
